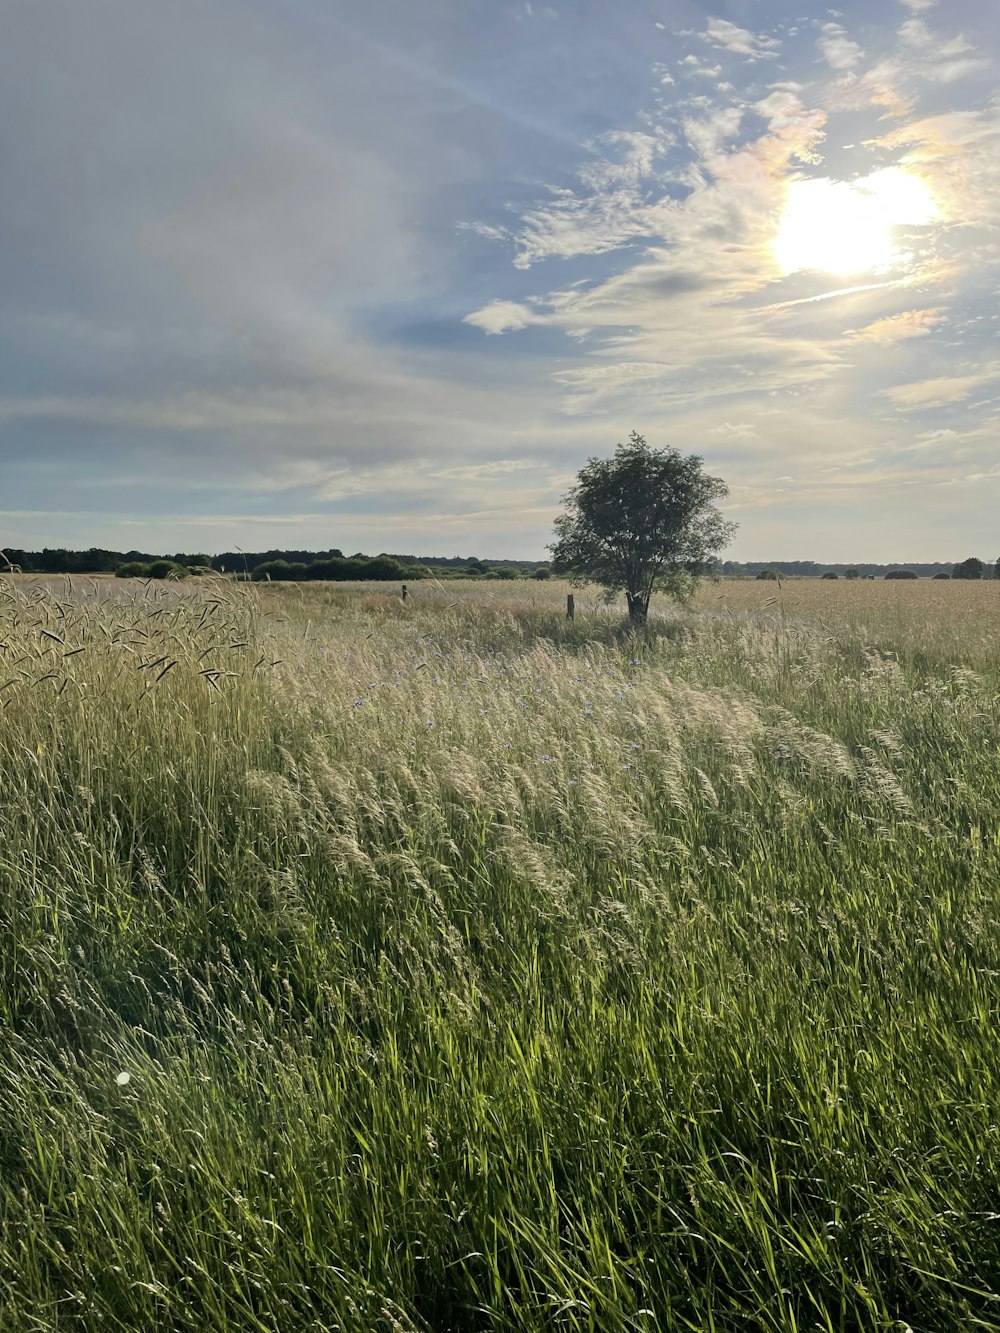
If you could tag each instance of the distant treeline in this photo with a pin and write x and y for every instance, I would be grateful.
(812, 569)
(95, 560)
(259, 565)
(334, 565)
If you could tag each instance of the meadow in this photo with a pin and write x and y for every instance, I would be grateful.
(451, 966)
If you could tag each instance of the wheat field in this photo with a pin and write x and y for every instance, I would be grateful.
(451, 966)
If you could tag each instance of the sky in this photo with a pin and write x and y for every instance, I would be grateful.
(382, 275)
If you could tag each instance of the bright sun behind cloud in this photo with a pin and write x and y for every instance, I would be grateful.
(847, 227)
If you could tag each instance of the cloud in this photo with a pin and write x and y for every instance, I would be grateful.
(730, 430)
(915, 32)
(958, 154)
(487, 231)
(423, 481)
(939, 60)
(695, 65)
(729, 37)
(668, 329)
(883, 85)
(614, 375)
(612, 206)
(604, 211)
(940, 391)
(796, 131)
(895, 328)
(895, 81)
(501, 317)
(489, 471)
(708, 134)
(837, 49)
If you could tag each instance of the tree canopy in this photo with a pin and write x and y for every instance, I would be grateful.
(972, 568)
(642, 520)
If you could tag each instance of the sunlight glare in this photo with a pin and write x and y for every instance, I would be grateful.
(847, 227)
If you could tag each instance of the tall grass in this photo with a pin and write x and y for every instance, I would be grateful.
(476, 970)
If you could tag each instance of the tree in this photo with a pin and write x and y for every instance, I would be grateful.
(850, 574)
(642, 520)
(901, 574)
(969, 569)
(831, 574)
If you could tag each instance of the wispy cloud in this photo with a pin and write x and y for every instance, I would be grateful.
(895, 328)
(604, 210)
(940, 391)
(734, 430)
(937, 59)
(739, 41)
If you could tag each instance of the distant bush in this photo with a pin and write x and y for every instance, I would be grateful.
(542, 572)
(942, 576)
(166, 569)
(382, 568)
(132, 569)
(768, 575)
(851, 574)
(502, 572)
(901, 574)
(830, 574)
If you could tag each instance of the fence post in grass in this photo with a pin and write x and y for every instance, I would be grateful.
(570, 606)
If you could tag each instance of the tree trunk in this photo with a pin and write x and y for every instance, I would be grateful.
(638, 607)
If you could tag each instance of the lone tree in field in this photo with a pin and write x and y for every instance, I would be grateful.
(642, 520)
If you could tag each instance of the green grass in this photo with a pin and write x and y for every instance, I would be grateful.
(475, 970)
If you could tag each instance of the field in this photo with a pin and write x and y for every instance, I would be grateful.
(453, 967)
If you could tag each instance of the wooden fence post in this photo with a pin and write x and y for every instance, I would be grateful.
(570, 606)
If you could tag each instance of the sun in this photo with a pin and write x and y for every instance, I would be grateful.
(847, 227)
